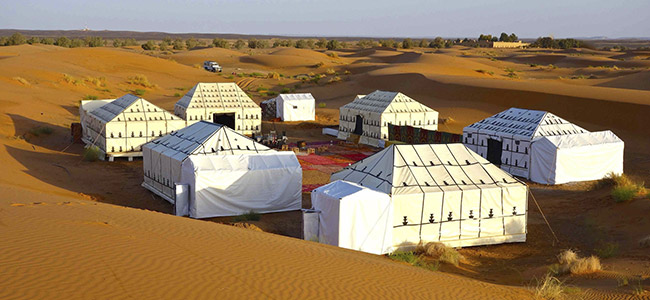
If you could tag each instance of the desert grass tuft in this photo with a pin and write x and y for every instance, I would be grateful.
(549, 288)
(140, 80)
(571, 262)
(22, 81)
(440, 252)
(414, 259)
(249, 216)
(91, 153)
(624, 189)
(90, 97)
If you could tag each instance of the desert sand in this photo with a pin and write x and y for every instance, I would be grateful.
(78, 229)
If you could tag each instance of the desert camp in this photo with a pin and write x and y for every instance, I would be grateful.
(216, 150)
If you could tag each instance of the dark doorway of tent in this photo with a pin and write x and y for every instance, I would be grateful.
(227, 119)
(358, 127)
(494, 150)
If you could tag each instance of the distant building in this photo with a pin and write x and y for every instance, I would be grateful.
(510, 45)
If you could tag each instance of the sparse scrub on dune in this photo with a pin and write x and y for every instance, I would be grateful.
(140, 80)
(139, 92)
(551, 66)
(414, 259)
(41, 130)
(347, 72)
(229, 77)
(571, 262)
(440, 252)
(318, 65)
(261, 88)
(271, 93)
(273, 75)
(333, 55)
(70, 79)
(90, 97)
(97, 81)
(334, 79)
(549, 288)
(91, 153)
(330, 71)
(624, 189)
(249, 216)
(297, 86)
(22, 81)
(177, 94)
(534, 65)
(285, 90)
(322, 105)
(512, 75)
(485, 72)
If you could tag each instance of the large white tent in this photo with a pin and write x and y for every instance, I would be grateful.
(209, 170)
(369, 116)
(507, 138)
(353, 217)
(443, 193)
(121, 126)
(294, 107)
(584, 156)
(222, 103)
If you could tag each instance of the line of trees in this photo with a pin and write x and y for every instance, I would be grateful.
(549, 42)
(504, 37)
(19, 39)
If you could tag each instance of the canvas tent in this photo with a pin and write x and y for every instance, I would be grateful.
(121, 126)
(209, 170)
(507, 139)
(222, 103)
(353, 217)
(444, 193)
(293, 107)
(369, 116)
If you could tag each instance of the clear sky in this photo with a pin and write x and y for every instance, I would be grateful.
(414, 18)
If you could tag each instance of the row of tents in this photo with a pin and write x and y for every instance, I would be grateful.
(119, 127)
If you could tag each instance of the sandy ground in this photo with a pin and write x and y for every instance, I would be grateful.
(61, 239)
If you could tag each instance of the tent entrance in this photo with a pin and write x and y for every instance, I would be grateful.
(494, 151)
(227, 119)
(358, 127)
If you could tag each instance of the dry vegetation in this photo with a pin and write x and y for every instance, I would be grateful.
(570, 262)
(140, 80)
(429, 256)
(624, 189)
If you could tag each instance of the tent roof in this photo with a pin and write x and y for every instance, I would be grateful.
(340, 189)
(391, 102)
(130, 107)
(300, 97)
(207, 138)
(527, 123)
(583, 139)
(225, 95)
(409, 169)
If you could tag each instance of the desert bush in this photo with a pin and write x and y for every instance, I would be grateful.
(220, 43)
(178, 44)
(512, 75)
(623, 193)
(16, 39)
(571, 262)
(366, 44)
(22, 81)
(258, 44)
(140, 80)
(94, 41)
(97, 81)
(90, 97)
(139, 92)
(607, 250)
(322, 105)
(239, 44)
(271, 93)
(191, 43)
(319, 64)
(285, 90)
(297, 86)
(549, 288)
(149, 45)
(334, 79)
(625, 189)
(333, 55)
(333, 45)
(407, 43)
(41, 130)
(177, 94)
(414, 259)
(441, 252)
(273, 75)
(91, 153)
(330, 71)
(249, 216)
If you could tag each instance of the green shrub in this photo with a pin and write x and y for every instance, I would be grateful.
(322, 105)
(91, 153)
(414, 259)
(140, 80)
(297, 86)
(333, 55)
(607, 250)
(177, 94)
(41, 130)
(624, 193)
(285, 90)
(249, 216)
(271, 93)
(139, 92)
(485, 72)
(90, 97)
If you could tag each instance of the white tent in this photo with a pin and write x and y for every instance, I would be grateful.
(506, 139)
(294, 107)
(222, 103)
(353, 217)
(584, 156)
(121, 126)
(209, 170)
(444, 193)
(369, 116)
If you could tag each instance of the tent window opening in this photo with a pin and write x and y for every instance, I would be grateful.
(506, 161)
(467, 161)
(153, 133)
(482, 182)
(445, 182)
(140, 133)
(526, 150)
(132, 134)
(415, 164)
(507, 147)
(525, 164)
(426, 183)
(450, 216)
(431, 162)
(295, 107)
(504, 180)
(160, 133)
(516, 163)
(405, 184)
(119, 134)
(112, 135)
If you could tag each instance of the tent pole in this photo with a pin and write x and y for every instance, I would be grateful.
(543, 216)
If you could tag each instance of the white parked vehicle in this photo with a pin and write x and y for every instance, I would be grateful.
(211, 66)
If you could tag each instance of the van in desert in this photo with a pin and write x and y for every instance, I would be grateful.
(211, 66)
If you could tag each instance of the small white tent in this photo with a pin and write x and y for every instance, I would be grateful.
(353, 217)
(507, 138)
(584, 156)
(369, 116)
(294, 107)
(444, 193)
(222, 103)
(121, 126)
(209, 170)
